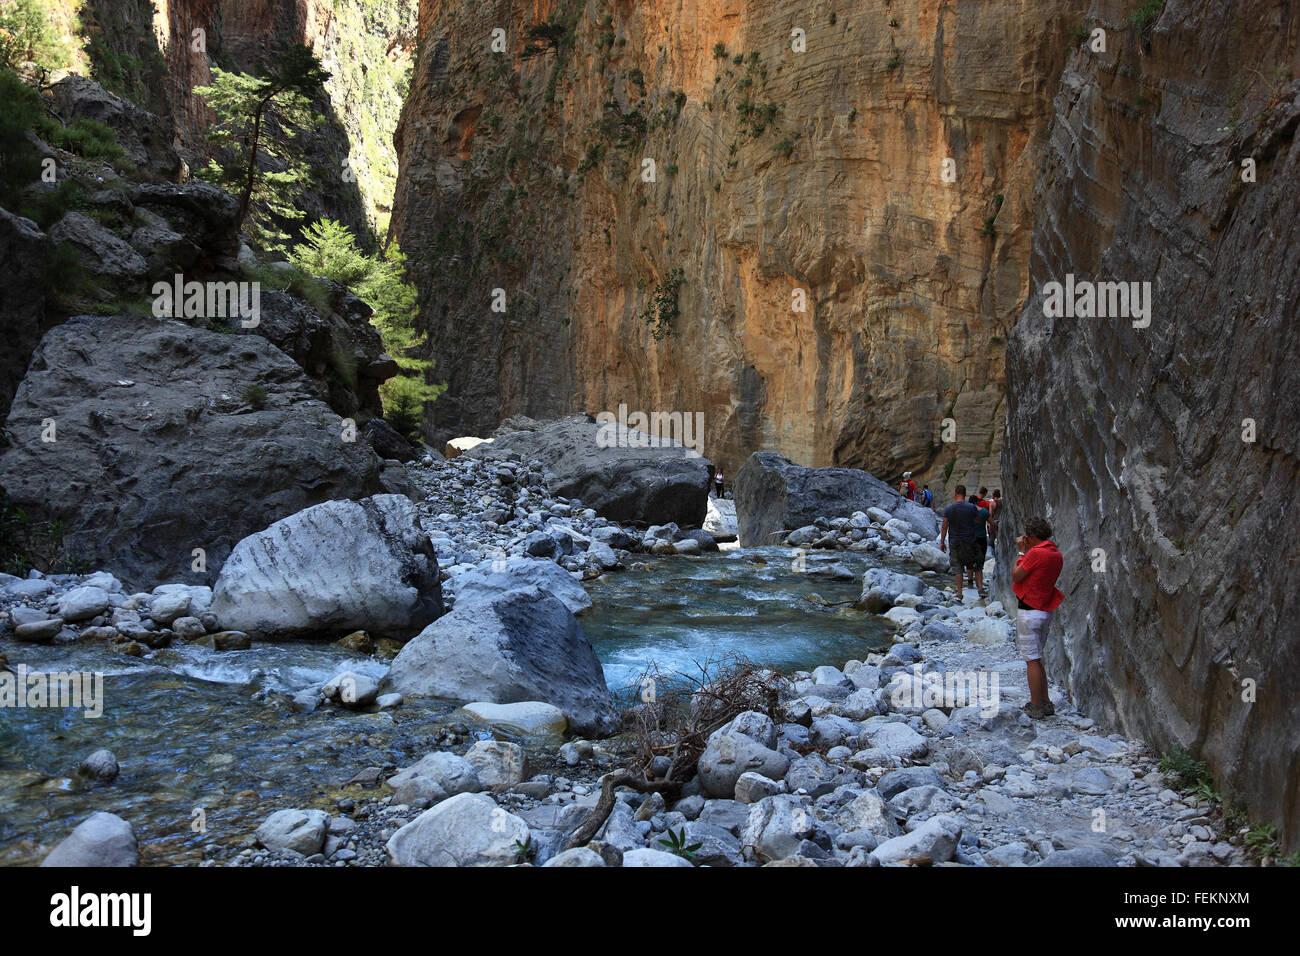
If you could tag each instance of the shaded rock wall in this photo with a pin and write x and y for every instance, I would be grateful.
(149, 438)
(817, 171)
(1130, 440)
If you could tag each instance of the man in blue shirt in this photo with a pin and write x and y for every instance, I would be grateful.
(962, 518)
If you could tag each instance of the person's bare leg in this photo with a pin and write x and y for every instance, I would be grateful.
(979, 581)
(958, 579)
(1037, 682)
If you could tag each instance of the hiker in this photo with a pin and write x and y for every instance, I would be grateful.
(1034, 582)
(961, 516)
(927, 498)
(907, 487)
(995, 507)
(717, 481)
(982, 528)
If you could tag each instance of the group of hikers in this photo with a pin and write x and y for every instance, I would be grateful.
(969, 530)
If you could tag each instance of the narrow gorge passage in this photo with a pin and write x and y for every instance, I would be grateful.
(595, 434)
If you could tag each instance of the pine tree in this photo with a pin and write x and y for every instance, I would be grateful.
(329, 249)
(267, 115)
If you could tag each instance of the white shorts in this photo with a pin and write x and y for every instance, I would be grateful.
(1031, 633)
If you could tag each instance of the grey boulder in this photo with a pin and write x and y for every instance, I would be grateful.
(774, 495)
(335, 567)
(468, 829)
(302, 831)
(611, 468)
(103, 839)
(520, 645)
(170, 439)
(489, 578)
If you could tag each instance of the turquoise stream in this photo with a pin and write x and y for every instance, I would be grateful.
(196, 730)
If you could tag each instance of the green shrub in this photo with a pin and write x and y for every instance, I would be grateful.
(255, 395)
(1182, 770)
(27, 34)
(26, 543)
(88, 138)
(20, 160)
(662, 309)
(1145, 15)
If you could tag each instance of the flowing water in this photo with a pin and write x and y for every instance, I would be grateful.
(210, 744)
(754, 602)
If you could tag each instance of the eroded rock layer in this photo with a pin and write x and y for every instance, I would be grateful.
(1165, 456)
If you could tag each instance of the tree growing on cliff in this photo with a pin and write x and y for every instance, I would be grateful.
(260, 121)
(27, 35)
(330, 250)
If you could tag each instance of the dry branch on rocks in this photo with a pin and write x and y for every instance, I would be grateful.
(673, 723)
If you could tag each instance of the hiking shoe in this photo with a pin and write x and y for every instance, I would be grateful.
(1048, 709)
(1036, 711)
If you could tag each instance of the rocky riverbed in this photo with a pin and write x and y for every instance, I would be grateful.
(912, 751)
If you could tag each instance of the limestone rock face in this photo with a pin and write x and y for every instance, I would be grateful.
(23, 249)
(170, 438)
(1130, 439)
(331, 346)
(335, 567)
(790, 180)
(146, 139)
(775, 495)
(613, 469)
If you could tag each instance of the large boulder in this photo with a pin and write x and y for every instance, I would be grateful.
(881, 586)
(103, 252)
(514, 646)
(202, 214)
(934, 841)
(775, 495)
(468, 829)
(145, 138)
(489, 578)
(339, 566)
(24, 250)
(102, 839)
(625, 474)
(171, 439)
(720, 521)
(744, 745)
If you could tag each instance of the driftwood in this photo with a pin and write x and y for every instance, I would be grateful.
(678, 714)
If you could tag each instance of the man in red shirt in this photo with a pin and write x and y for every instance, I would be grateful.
(907, 487)
(1034, 581)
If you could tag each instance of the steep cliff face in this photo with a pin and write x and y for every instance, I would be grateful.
(1177, 520)
(782, 180)
(156, 53)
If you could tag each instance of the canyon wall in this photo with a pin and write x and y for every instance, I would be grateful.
(782, 179)
(1165, 456)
